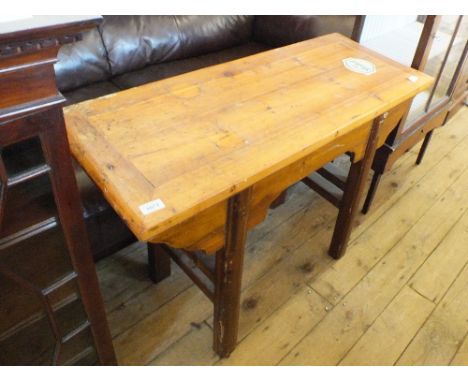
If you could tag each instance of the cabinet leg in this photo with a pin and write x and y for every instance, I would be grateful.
(67, 198)
(159, 263)
(228, 277)
(352, 194)
(371, 193)
(423, 148)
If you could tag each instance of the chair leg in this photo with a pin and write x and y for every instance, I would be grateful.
(228, 276)
(352, 194)
(159, 263)
(423, 148)
(372, 191)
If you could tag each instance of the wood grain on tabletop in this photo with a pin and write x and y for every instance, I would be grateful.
(197, 138)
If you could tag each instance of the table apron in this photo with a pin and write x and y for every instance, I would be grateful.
(206, 230)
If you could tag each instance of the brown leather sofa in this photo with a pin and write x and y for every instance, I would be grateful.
(127, 51)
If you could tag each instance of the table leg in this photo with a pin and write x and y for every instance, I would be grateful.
(159, 263)
(228, 275)
(352, 193)
(281, 199)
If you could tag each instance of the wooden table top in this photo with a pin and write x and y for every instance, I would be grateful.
(165, 151)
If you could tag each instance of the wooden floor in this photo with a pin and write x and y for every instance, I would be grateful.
(399, 296)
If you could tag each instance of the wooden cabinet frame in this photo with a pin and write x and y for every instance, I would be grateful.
(409, 133)
(31, 108)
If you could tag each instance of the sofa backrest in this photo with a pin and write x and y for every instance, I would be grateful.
(126, 43)
(82, 62)
(284, 30)
(133, 42)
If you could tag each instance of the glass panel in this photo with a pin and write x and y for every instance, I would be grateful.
(442, 51)
(21, 310)
(438, 49)
(396, 37)
(393, 36)
(78, 349)
(26, 205)
(22, 156)
(34, 262)
(424, 101)
(31, 344)
(70, 316)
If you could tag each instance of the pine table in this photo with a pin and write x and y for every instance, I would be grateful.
(191, 163)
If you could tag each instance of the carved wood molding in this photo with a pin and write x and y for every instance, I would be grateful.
(22, 47)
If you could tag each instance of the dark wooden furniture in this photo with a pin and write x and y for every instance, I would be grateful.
(228, 140)
(51, 310)
(434, 108)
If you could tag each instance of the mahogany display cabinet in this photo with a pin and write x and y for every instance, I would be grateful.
(51, 310)
(441, 51)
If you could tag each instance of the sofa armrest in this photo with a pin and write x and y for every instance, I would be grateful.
(284, 30)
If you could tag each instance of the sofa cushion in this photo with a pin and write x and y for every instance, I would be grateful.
(284, 30)
(205, 34)
(169, 69)
(90, 91)
(82, 62)
(133, 42)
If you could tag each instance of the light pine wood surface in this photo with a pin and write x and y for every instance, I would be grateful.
(402, 282)
(194, 140)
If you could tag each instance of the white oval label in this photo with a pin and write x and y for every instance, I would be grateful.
(359, 65)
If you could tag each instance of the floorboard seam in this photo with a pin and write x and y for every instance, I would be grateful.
(150, 313)
(381, 259)
(459, 347)
(428, 317)
(416, 270)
